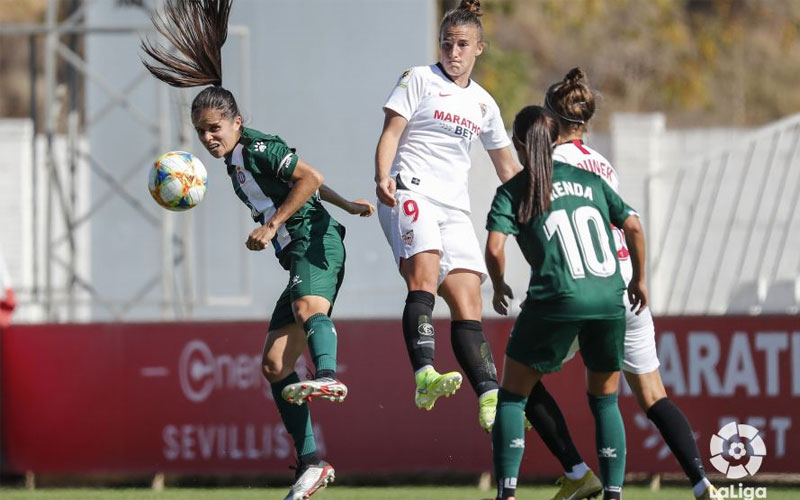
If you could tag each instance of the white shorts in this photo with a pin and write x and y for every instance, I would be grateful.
(418, 224)
(640, 342)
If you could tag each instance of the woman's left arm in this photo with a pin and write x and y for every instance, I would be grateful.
(504, 163)
(356, 207)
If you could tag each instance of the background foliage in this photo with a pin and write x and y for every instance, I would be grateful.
(702, 62)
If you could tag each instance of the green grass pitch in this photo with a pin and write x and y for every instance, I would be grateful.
(346, 493)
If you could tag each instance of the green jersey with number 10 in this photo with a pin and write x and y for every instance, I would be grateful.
(574, 268)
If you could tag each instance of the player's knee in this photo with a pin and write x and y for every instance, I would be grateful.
(647, 397)
(424, 283)
(274, 370)
(465, 306)
(305, 307)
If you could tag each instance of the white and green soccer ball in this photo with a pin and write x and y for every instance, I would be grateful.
(177, 181)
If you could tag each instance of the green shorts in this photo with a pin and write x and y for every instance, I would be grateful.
(542, 344)
(319, 270)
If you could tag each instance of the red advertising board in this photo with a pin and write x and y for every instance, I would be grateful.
(189, 397)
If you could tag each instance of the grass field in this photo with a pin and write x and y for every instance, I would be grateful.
(346, 493)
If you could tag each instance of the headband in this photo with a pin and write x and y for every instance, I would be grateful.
(566, 118)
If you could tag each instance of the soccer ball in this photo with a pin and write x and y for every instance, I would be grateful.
(177, 181)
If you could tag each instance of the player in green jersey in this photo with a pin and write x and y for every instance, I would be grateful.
(560, 216)
(283, 194)
(573, 102)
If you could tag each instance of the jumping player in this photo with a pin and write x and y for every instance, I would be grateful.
(560, 216)
(283, 194)
(422, 161)
(573, 102)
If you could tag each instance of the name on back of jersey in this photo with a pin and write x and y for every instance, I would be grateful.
(597, 167)
(567, 188)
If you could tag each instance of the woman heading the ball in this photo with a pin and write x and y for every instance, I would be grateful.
(432, 117)
(283, 194)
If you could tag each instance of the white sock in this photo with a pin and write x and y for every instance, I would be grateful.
(701, 487)
(578, 471)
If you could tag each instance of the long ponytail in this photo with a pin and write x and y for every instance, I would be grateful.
(197, 29)
(537, 130)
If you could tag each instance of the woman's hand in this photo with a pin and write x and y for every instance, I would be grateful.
(360, 207)
(500, 299)
(260, 238)
(637, 294)
(385, 189)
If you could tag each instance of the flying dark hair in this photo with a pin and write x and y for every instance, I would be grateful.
(536, 129)
(468, 12)
(197, 29)
(571, 100)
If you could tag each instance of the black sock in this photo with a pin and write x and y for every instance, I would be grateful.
(612, 493)
(473, 354)
(418, 328)
(677, 433)
(308, 459)
(543, 412)
(505, 490)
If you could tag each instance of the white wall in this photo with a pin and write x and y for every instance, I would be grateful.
(25, 209)
(319, 74)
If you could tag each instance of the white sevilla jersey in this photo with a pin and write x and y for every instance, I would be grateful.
(443, 120)
(577, 153)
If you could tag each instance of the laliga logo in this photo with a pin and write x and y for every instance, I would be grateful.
(201, 372)
(737, 450)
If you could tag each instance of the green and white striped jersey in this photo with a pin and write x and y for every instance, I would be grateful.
(261, 168)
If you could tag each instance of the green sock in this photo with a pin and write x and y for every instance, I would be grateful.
(296, 419)
(609, 439)
(508, 440)
(321, 337)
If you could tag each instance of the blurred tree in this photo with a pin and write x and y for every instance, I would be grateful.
(702, 62)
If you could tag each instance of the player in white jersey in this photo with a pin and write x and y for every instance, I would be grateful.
(433, 115)
(574, 103)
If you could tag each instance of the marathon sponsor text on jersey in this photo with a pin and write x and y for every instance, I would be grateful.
(443, 120)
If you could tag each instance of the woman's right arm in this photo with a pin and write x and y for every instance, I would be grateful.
(393, 126)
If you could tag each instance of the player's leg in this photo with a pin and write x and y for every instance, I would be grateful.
(285, 343)
(461, 290)
(508, 433)
(412, 229)
(283, 346)
(545, 415)
(421, 272)
(641, 372)
(535, 346)
(315, 280)
(311, 312)
(463, 269)
(602, 343)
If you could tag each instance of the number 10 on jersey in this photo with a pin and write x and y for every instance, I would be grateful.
(578, 245)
